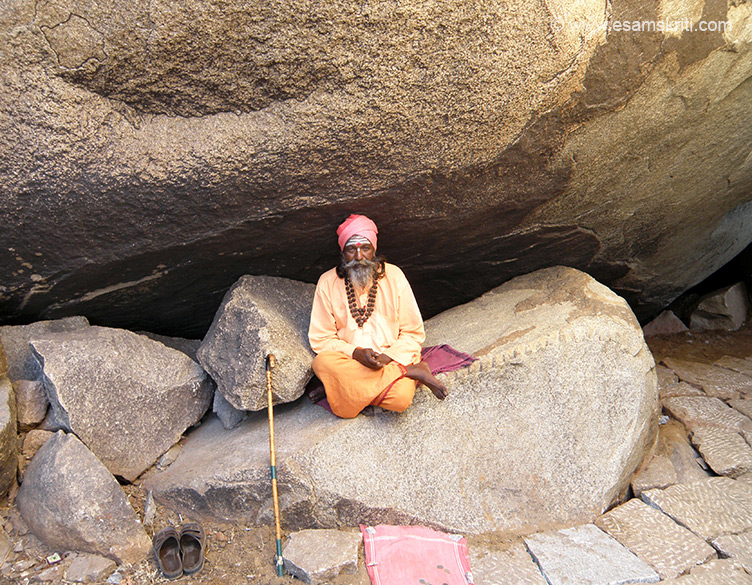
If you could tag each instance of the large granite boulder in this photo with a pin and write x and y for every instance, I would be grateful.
(127, 397)
(260, 315)
(486, 139)
(8, 442)
(71, 502)
(545, 428)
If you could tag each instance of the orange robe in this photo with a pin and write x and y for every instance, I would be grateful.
(395, 328)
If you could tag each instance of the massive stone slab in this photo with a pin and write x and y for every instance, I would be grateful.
(547, 426)
(127, 397)
(666, 546)
(587, 556)
(710, 508)
(258, 316)
(243, 123)
(71, 502)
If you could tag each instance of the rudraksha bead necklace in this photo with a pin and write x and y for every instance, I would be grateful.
(361, 314)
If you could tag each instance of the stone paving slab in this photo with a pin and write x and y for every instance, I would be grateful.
(673, 442)
(511, 566)
(737, 547)
(726, 452)
(668, 548)
(658, 473)
(680, 389)
(318, 556)
(710, 508)
(697, 411)
(586, 555)
(720, 572)
(743, 405)
(714, 380)
(741, 365)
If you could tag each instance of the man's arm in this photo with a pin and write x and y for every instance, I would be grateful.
(411, 332)
(322, 332)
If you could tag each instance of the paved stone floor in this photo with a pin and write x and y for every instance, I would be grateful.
(689, 520)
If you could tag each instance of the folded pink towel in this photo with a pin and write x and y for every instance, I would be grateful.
(398, 555)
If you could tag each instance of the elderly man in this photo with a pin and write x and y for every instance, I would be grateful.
(366, 329)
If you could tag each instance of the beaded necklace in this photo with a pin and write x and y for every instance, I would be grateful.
(361, 314)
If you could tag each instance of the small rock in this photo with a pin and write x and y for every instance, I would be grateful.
(317, 556)
(5, 546)
(31, 402)
(725, 309)
(150, 509)
(8, 437)
(230, 416)
(170, 456)
(89, 569)
(115, 579)
(50, 574)
(667, 323)
(34, 441)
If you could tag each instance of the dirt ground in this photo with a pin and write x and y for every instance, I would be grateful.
(239, 554)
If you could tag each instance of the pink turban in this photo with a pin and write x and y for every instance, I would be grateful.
(356, 225)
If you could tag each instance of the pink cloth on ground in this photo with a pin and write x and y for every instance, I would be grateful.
(401, 555)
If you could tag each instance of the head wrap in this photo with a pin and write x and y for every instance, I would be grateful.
(356, 224)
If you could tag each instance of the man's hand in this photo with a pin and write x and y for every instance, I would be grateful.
(370, 358)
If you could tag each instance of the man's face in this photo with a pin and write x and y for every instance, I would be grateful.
(358, 252)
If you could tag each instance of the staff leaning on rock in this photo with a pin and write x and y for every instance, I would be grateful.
(366, 329)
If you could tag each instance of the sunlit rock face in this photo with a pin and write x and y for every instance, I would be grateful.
(151, 153)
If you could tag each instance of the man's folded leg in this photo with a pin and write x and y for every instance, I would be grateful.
(350, 386)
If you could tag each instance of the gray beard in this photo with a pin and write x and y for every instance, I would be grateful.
(361, 272)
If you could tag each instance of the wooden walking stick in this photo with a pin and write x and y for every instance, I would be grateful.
(270, 363)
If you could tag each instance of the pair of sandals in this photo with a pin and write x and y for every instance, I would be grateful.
(181, 552)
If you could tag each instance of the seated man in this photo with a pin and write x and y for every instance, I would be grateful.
(366, 329)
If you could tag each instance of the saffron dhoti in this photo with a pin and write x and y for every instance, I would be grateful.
(351, 386)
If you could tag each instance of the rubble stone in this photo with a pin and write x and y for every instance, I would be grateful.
(658, 473)
(725, 309)
(737, 547)
(318, 556)
(667, 323)
(31, 402)
(86, 568)
(720, 572)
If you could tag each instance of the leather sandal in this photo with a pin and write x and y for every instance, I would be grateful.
(166, 545)
(192, 547)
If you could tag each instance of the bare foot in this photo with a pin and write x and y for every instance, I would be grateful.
(422, 373)
(315, 390)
